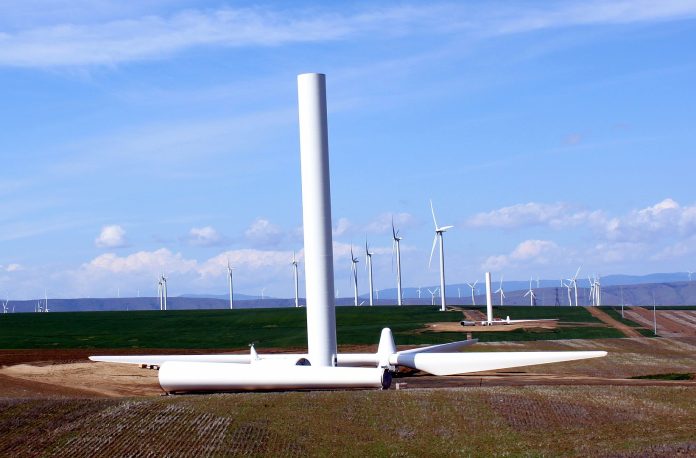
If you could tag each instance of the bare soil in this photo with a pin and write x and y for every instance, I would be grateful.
(68, 373)
(449, 326)
(670, 323)
(604, 317)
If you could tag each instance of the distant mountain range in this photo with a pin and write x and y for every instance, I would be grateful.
(666, 288)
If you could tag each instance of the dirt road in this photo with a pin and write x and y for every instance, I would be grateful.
(604, 317)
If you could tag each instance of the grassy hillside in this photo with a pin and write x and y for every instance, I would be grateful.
(282, 327)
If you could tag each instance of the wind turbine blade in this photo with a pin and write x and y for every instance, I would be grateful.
(432, 251)
(433, 212)
(463, 363)
(393, 229)
(443, 229)
(577, 273)
(451, 347)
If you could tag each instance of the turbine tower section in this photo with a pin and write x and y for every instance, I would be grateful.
(316, 217)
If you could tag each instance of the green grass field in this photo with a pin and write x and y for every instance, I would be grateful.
(279, 328)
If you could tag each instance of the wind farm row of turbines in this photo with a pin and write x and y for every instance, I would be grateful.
(438, 292)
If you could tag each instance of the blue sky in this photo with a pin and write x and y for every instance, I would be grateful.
(162, 135)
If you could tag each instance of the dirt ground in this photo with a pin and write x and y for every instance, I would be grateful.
(68, 373)
(449, 326)
(604, 317)
(670, 323)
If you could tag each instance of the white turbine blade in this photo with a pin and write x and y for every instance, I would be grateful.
(464, 363)
(433, 212)
(441, 348)
(432, 251)
(577, 273)
(527, 293)
(157, 360)
(444, 229)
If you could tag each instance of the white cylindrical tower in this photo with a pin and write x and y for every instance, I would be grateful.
(316, 213)
(489, 299)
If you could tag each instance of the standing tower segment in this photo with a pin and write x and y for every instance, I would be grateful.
(316, 218)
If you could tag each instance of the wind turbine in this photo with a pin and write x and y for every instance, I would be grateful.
(568, 286)
(164, 290)
(45, 302)
(230, 283)
(530, 293)
(473, 291)
(354, 271)
(573, 281)
(592, 294)
(328, 368)
(297, 280)
(419, 292)
(598, 291)
(263, 290)
(159, 292)
(438, 235)
(500, 290)
(396, 247)
(368, 264)
(432, 295)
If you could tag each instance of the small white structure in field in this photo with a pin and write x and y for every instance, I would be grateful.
(322, 366)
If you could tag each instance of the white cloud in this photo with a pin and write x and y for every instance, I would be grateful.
(383, 223)
(343, 225)
(146, 37)
(204, 236)
(142, 262)
(264, 234)
(113, 236)
(11, 267)
(555, 215)
(247, 259)
(527, 252)
(665, 218)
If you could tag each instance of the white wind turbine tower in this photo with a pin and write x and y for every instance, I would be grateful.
(159, 292)
(354, 270)
(574, 284)
(263, 291)
(568, 287)
(598, 291)
(530, 293)
(500, 290)
(396, 247)
(230, 284)
(419, 292)
(45, 302)
(473, 292)
(297, 280)
(438, 235)
(432, 295)
(592, 295)
(368, 264)
(164, 290)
